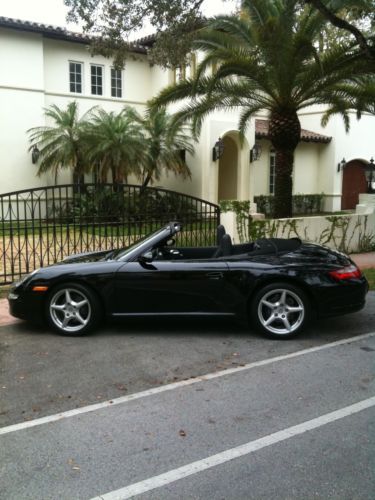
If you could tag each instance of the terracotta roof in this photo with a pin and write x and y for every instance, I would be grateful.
(59, 33)
(261, 132)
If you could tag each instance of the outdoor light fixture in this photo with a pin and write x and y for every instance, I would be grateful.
(341, 165)
(35, 153)
(218, 149)
(370, 177)
(255, 152)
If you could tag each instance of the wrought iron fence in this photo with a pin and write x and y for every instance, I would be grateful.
(41, 226)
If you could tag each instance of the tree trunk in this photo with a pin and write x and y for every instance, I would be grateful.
(284, 133)
(283, 184)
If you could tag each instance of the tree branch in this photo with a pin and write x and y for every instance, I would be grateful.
(343, 24)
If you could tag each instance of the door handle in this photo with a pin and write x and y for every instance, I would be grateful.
(214, 275)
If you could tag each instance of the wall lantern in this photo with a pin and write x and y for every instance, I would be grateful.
(218, 149)
(255, 152)
(370, 177)
(341, 165)
(35, 153)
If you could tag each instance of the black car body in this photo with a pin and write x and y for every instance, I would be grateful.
(281, 284)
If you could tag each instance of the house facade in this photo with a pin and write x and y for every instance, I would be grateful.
(44, 65)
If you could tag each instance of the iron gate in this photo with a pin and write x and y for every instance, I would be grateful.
(42, 226)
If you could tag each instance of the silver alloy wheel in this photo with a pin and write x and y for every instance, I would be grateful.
(70, 310)
(281, 311)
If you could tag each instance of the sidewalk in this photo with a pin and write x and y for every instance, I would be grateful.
(363, 261)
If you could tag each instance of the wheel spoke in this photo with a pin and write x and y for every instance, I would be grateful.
(268, 304)
(67, 297)
(286, 323)
(80, 319)
(81, 304)
(270, 320)
(65, 321)
(294, 309)
(58, 307)
(282, 297)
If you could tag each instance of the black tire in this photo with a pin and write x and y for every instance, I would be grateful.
(73, 309)
(271, 313)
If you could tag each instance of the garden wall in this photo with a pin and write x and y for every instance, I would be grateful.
(349, 233)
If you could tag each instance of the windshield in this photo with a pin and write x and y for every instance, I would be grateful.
(119, 254)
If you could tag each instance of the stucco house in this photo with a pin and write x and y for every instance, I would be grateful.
(44, 65)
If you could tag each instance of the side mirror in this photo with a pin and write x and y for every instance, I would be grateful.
(147, 257)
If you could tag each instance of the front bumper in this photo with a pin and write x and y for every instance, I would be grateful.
(26, 305)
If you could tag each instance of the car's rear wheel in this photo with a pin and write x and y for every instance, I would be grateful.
(73, 309)
(280, 310)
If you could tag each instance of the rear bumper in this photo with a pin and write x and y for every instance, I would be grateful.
(342, 299)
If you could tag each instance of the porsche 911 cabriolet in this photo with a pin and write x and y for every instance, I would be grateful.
(279, 285)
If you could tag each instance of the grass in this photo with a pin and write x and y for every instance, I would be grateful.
(370, 275)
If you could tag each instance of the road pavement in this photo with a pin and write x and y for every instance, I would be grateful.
(183, 442)
(202, 410)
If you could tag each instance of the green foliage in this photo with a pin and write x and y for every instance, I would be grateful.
(102, 204)
(340, 233)
(267, 59)
(119, 144)
(302, 204)
(113, 22)
(370, 276)
(242, 210)
(62, 143)
(164, 139)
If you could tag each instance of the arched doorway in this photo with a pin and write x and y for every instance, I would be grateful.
(228, 171)
(353, 183)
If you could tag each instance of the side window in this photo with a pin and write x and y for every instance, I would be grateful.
(271, 186)
(116, 82)
(75, 77)
(96, 79)
(179, 74)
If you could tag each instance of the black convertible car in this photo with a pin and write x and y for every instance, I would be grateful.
(279, 284)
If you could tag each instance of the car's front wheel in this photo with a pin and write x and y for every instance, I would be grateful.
(280, 310)
(73, 309)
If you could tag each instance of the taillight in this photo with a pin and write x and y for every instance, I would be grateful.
(346, 273)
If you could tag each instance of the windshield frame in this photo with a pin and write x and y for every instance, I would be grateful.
(147, 242)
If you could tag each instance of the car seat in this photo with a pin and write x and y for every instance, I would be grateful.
(225, 247)
(220, 231)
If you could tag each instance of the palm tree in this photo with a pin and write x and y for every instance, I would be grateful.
(115, 143)
(165, 138)
(61, 145)
(267, 60)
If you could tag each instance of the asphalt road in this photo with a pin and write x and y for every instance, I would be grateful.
(229, 435)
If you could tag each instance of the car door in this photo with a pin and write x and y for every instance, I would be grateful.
(171, 287)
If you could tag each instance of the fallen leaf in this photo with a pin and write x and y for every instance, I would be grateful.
(182, 433)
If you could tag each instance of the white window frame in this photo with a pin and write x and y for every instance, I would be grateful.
(74, 73)
(121, 84)
(95, 85)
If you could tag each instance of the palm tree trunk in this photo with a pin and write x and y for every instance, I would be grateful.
(284, 133)
(283, 184)
(146, 181)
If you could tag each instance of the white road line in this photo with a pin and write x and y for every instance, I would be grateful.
(239, 451)
(175, 385)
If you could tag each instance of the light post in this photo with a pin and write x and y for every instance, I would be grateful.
(218, 149)
(370, 177)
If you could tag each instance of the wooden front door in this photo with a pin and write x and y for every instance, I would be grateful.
(353, 183)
